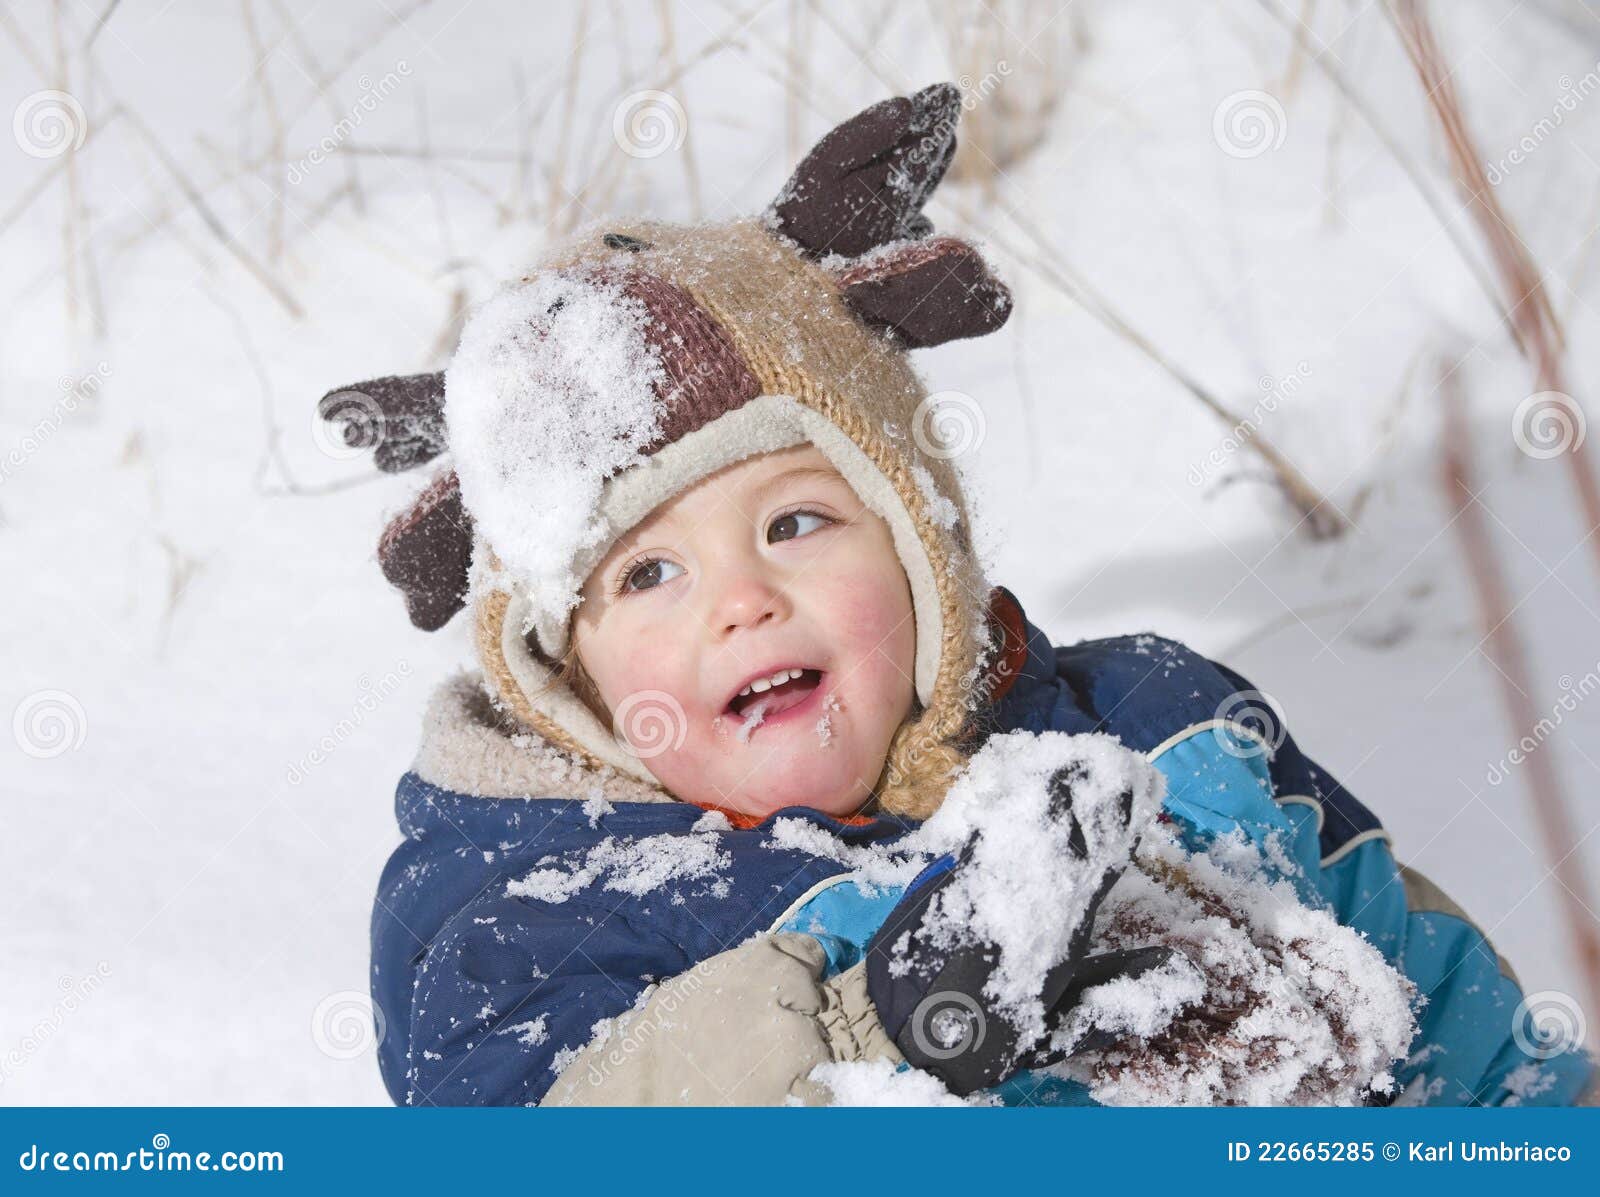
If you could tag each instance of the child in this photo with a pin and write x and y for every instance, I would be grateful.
(742, 680)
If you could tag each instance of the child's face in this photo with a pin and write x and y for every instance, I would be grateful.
(771, 564)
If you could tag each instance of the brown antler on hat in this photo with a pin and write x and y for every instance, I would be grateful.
(864, 183)
(426, 553)
(400, 418)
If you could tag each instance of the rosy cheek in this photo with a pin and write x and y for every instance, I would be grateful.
(870, 609)
(638, 673)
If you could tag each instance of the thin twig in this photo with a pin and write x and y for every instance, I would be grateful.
(524, 155)
(669, 56)
(1536, 328)
(568, 98)
(1515, 683)
(602, 179)
(277, 143)
(69, 222)
(362, 45)
(100, 23)
(319, 82)
(36, 188)
(272, 454)
(435, 153)
(1322, 517)
(210, 219)
(28, 50)
(441, 212)
(1401, 159)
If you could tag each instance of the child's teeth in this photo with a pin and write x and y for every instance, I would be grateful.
(766, 683)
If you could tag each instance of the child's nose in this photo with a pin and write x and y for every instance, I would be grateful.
(748, 600)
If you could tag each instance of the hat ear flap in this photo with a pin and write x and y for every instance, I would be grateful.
(426, 552)
(399, 417)
(925, 293)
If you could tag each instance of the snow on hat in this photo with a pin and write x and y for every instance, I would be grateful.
(640, 357)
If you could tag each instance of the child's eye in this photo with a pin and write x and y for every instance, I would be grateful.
(647, 574)
(796, 523)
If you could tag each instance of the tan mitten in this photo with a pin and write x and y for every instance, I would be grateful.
(744, 1027)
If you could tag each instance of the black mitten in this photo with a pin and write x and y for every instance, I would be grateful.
(930, 993)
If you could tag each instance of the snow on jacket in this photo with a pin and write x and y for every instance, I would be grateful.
(531, 900)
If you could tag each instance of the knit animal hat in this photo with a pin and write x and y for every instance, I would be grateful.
(640, 357)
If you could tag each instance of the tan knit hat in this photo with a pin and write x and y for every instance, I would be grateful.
(637, 358)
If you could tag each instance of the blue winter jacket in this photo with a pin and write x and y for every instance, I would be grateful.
(484, 997)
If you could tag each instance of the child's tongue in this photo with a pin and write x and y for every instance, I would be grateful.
(778, 699)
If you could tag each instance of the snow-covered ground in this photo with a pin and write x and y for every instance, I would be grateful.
(191, 596)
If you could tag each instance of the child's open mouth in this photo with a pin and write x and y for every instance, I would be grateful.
(775, 696)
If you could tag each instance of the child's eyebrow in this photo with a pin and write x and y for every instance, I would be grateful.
(821, 473)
